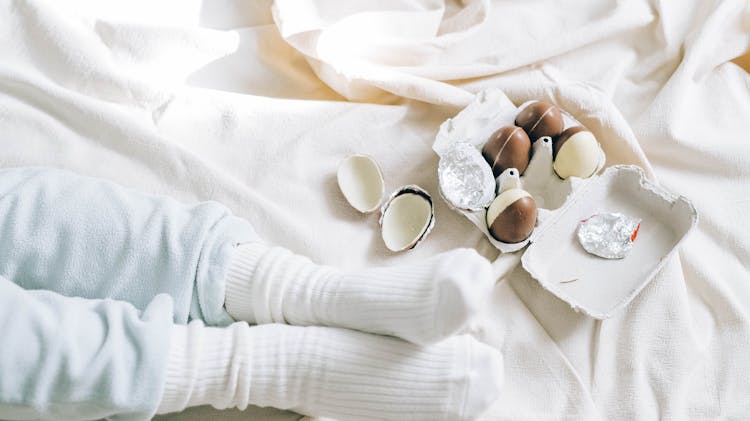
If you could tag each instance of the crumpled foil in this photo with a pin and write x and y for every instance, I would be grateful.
(466, 180)
(608, 235)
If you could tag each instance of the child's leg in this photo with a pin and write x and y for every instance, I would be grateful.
(69, 358)
(87, 237)
(422, 302)
(331, 372)
(90, 238)
(74, 358)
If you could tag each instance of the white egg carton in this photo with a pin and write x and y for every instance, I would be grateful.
(554, 257)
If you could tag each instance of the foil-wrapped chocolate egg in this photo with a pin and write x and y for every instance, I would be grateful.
(576, 153)
(511, 217)
(508, 147)
(539, 119)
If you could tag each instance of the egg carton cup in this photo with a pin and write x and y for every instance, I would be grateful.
(489, 111)
(554, 257)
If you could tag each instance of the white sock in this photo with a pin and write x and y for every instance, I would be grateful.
(422, 303)
(329, 372)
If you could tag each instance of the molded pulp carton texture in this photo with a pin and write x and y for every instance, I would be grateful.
(554, 257)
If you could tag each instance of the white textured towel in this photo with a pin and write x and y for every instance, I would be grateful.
(235, 101)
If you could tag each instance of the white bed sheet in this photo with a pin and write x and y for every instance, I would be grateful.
(228, 101)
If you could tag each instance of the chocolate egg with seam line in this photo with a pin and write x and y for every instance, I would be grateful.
(511, 217)
(540, 118)
(508, 147)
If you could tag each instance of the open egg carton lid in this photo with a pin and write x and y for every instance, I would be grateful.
(554, 257)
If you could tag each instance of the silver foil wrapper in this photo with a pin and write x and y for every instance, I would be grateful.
(608, 235)
(466, 180)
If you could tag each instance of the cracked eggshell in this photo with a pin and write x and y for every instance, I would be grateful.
(361, 182)
(407, 218)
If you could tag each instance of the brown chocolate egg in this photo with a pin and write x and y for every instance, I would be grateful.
(508, 147)
(539, 119)
(576, 153)
(511, 217)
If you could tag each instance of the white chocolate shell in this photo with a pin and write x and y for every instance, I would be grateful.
(579, 157)
(407, 218)
(361, 183)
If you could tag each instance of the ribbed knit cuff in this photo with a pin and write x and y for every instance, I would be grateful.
(199, 367)
(328, 371)
(238, 298)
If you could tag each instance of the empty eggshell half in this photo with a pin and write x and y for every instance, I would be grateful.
(361, 182)
(407, 217)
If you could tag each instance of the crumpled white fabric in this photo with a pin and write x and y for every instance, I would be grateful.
(244, 102)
